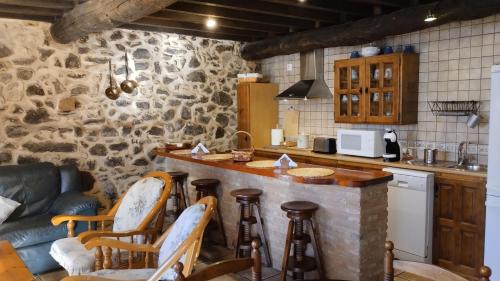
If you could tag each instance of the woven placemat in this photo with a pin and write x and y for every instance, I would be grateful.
(217, 157)
(261, 164)
(310, 172)
(181, 151)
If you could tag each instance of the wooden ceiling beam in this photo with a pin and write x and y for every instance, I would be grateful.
(200, 19)
(100, 15)
(138, 26)
(21, 10)
(371, 29)
(267, 8)
(161, 22)
(51, 4)
(388, 3)
(240, 15)
(27, 17)
(344, 7)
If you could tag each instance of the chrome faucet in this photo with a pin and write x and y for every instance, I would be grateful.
(462, 153)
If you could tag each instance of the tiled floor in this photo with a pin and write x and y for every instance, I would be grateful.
(208, 255)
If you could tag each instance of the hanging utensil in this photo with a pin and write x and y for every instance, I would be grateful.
(129, 85)
(113, 91)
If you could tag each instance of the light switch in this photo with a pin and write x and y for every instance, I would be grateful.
(289, 67)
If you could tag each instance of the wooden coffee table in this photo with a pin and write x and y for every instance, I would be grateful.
(12, 268)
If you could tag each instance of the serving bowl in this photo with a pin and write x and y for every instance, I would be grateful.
(370, 51)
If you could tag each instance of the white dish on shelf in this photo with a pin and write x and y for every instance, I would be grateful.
(370, 51)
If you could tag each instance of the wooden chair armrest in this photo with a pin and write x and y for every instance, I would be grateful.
(91, 278)
(57, 220)
(86, 236)
(117, 244)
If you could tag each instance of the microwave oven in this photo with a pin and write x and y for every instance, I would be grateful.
(366, 143)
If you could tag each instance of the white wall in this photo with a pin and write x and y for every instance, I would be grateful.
(455, 62)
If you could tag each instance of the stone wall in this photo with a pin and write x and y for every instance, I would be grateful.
(186, 93)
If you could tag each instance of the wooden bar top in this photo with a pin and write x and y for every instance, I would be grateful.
(342, 177)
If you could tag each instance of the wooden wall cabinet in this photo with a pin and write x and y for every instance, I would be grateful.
(257, 113)
(459, 219)
(377, 90)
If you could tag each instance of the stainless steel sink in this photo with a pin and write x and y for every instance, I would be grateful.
(450, 165)
(469, 167)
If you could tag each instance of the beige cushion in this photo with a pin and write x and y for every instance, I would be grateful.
(137, 203)
(72, 256)
(7, 207)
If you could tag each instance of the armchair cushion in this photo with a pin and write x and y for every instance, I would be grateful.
(32, 230)
(72, 203)
(182, 228)
(71, 254)
(7, 206)
(125, 274)
(137, 203)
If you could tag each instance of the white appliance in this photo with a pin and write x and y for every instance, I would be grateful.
(411, 200)
(492, 232)
(366, 143)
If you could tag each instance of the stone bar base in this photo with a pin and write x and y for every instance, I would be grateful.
(352, 222)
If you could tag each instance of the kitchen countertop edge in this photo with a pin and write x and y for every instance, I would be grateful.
(374, 161)
(342, 177)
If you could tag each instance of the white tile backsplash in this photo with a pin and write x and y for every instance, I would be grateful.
(455, 62)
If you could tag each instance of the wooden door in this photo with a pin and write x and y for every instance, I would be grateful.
(263, 113)
(349, 104)
(382, 94)
(459, 219)
(243, 96)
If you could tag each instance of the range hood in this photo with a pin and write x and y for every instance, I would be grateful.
(311, 84)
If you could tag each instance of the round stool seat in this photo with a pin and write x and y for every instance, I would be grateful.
(178, 174)
(246, 193)
(205, 183)
(299, 207)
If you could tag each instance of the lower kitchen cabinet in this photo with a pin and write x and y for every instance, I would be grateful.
(459, 215)
(459, 218)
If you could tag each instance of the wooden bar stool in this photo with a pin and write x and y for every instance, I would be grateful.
(208, 187)
(249, 201)
(178, 195)
(300, 214)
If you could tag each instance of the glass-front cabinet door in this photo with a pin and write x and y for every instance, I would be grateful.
(349, 80)
(382, 89)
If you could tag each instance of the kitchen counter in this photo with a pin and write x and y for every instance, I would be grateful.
(413, 165)
(351, 219)
(342, 177)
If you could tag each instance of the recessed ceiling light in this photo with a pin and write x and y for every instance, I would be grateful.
(211, 23)
(302, 1)
(430, 17)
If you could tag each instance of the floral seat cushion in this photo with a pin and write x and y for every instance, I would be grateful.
(72, 256)
(181, 230)
(139, 200)
(137, 203)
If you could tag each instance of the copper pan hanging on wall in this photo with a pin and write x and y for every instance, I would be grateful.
(113, 91)
(129, 85)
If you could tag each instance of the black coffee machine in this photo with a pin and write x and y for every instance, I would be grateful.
(392, 151)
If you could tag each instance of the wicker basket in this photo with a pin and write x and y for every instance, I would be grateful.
(246, 154)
